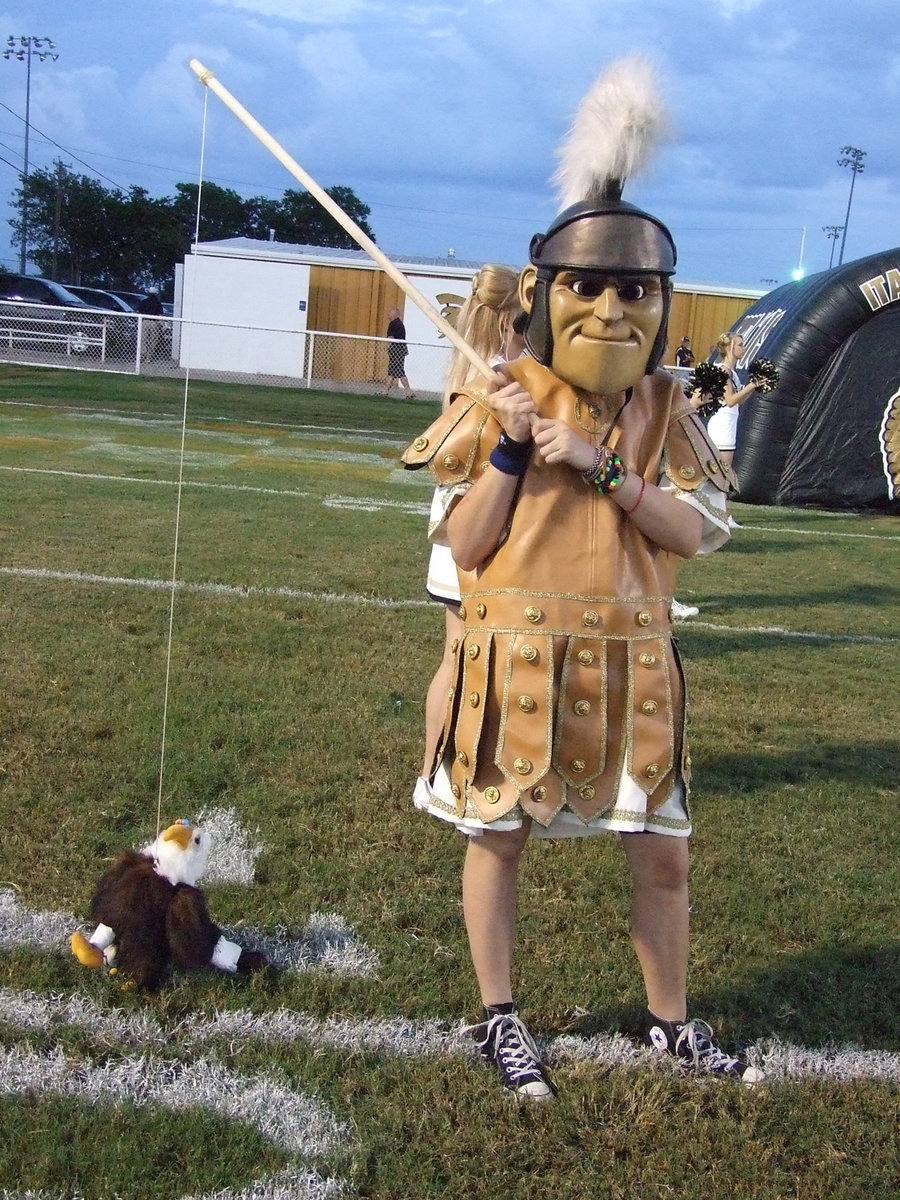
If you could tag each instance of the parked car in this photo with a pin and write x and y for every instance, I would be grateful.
(132, 299)
(121, 332)
(40, 313)
(100, 298)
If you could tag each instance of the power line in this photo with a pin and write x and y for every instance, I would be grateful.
(65, 150)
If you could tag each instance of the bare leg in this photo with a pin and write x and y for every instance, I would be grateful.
(659, 918)
(436, 696)
(490, 881)
(727, 457)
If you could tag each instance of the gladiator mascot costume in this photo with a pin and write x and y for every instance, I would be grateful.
(568, 705)
(567, 712)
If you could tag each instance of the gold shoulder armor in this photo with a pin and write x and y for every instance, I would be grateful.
(690, 456)
(457, 445)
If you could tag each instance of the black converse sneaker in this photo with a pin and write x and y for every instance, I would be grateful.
(504, 1041)
(693, 1043)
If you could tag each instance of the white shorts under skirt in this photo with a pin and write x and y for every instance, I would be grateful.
(628, 814)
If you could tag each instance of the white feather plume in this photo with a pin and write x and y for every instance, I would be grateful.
(617, 128)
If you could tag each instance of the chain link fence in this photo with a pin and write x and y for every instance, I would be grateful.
(137, 344)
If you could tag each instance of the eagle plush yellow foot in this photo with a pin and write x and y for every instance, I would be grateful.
(87, 955)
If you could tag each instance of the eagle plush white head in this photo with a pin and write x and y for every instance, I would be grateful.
(180, 853)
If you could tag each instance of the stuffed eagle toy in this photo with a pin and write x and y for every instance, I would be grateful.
(152, 915)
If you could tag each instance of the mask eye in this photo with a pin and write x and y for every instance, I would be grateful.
(589, 286)
(631, 292)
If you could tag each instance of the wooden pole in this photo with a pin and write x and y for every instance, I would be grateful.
(343, 219)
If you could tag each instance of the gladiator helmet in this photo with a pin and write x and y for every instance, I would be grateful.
(617, 124)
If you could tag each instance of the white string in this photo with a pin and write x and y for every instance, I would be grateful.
(185, 327)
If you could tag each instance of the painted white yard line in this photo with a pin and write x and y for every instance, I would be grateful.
(829, 533)
(212, 589)
(171, 419)
(779, 631)
(33, 1012)
(298, 1124)
(224, 589)
(364, 503)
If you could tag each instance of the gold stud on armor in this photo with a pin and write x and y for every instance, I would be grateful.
(585, 657)
(492, 795)
(644, 618)
(420, 443)
(462, 758)
(529, 653)
(473, 651)
(588, 792)
(652, 770)
(687, 471)
(539, 794)
(523, 766)
(481, 610)
(647, 660)
(577, 765)
(590, 618)
(582, 707)
(650, 707)
(533, 614)
(474, 699)
(526, 704)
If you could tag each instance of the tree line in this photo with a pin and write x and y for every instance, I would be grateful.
(84, 233)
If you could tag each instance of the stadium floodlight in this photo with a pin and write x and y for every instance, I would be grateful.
(833, 232)
(24, 49)
(852, 158)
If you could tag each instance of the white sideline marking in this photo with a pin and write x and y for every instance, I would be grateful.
(224, 589)
(31, 1012)
(364, 503)
(211, 589)
(297, 1124)
(780, 631)
(830, 533)
(138, 418)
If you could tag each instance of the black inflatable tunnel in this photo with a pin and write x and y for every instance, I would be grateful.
(829, 435)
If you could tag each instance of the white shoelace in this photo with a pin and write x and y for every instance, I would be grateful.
(699, 1039)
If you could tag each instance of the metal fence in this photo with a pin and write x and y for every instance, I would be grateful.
(137, 344)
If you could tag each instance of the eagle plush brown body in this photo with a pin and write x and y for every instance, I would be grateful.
(151, 915)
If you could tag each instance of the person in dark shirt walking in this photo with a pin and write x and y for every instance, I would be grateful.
(397, 352)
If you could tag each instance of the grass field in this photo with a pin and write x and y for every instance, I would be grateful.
(301, 649)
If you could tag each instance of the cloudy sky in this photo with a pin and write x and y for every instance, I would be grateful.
(444, 117)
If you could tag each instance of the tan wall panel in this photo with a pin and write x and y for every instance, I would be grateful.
(343, 300)
(350, 301)
(702, 318)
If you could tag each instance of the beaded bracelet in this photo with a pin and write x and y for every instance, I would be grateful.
(606, 472)
(511, 457)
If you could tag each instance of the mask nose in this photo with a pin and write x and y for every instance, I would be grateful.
(608, 305)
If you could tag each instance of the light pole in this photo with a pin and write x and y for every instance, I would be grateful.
(852, 158)
(833, 232)
(797, 272)
(24, 49)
